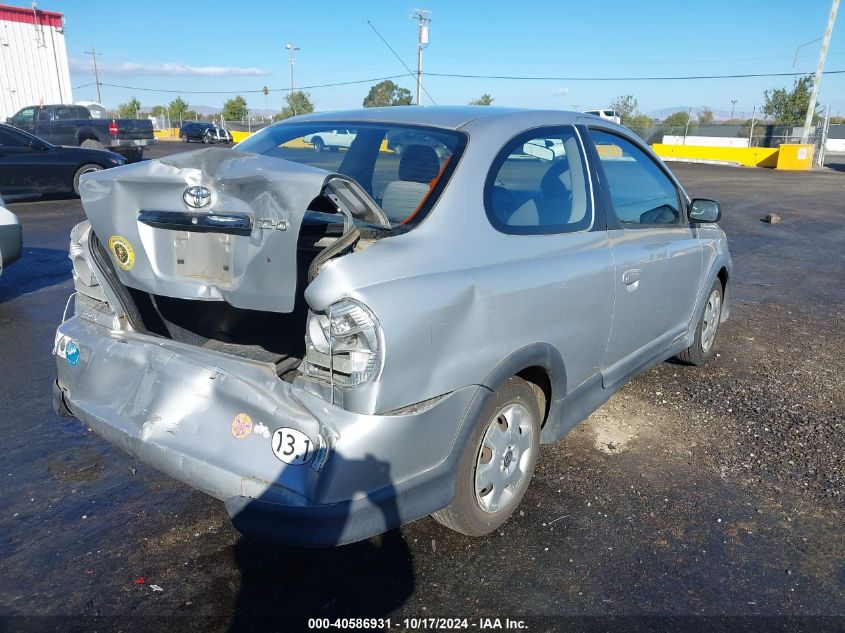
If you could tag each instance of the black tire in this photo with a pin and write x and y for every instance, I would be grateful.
(85, 169)
(465, 514)
(91, 143)
(133, 155)
(702, 349)
(398, 149)
(185, 138)
(319, 145)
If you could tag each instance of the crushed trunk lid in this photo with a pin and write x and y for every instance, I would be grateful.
(213, 224)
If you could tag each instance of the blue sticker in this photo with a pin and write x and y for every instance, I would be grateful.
(72, 353)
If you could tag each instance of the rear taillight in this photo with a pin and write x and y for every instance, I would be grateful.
(113, 129)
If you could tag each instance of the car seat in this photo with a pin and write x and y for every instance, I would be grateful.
(418, 169)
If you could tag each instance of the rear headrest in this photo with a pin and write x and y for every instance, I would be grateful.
(419, 163)
(556, 182)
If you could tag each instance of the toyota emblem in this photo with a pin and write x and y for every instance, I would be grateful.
(197, 197)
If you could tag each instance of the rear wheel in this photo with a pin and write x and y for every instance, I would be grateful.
(85, 169)
(184, 138)
(91, 143)
(319, 145)
(497, 463)
(704, 344)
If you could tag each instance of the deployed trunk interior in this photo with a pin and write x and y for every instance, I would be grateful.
(270, 337)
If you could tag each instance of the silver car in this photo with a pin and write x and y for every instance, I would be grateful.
(335, 344)
(11, 242)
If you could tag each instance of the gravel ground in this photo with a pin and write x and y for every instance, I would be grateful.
(712, 491)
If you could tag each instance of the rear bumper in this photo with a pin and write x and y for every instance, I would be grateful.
(131, 143)
(172, 406)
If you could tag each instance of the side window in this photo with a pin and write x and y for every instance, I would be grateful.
(44, 114)
(9, 138)
(641, 193)
(24, 116)
(538, 184)
(64, 114)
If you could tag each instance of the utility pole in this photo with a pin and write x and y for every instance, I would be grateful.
(93, 54)
(292, 50)
(811, 107)
(266, 91)
(421, 16)
(733, 103)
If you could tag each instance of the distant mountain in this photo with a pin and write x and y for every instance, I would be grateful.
(718, 114)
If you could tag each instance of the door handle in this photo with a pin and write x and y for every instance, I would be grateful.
(631, 276)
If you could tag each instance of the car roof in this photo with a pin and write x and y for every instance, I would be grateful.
(451, 117)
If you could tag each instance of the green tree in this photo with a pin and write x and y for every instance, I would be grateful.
(484, 99)
(387, 93)
(235, 109)
(789, 107)
(129, 110)
(296, 102)
(679, 123)
(705, 116)
(176, 110)
(625, 107)
(641, 124)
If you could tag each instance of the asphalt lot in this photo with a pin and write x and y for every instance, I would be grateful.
(716, 491)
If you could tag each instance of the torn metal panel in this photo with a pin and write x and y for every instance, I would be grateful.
(178, 246)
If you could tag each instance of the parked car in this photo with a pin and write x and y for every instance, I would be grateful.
(204, 132)
(11, 240)
(398, 140)
(607, 115)
(337, 350)
(32, 166)
(74, 125)
(333, 139)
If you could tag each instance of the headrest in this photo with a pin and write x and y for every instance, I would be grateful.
(419, 163)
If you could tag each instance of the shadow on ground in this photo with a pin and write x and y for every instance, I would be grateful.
(37, 268)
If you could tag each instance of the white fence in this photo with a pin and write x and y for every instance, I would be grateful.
(706, 141)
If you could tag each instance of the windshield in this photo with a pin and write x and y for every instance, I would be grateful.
(404, 168)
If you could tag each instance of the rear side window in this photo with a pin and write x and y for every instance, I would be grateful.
(538, 184)
(404, 179)
(641, 192)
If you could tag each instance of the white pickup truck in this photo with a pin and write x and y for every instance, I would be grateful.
(330, 139)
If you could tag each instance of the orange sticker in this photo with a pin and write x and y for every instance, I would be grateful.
(241, 426)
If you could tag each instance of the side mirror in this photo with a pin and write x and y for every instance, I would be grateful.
(704, 211)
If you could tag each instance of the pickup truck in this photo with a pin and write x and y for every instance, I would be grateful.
(74, 125)
(330, 139)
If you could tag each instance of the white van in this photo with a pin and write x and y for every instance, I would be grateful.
(607, 115)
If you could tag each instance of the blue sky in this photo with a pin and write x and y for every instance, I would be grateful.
(212, 45)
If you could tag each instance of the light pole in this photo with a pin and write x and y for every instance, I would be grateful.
(292, 50)
(733, 103)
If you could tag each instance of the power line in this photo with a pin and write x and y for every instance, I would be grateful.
(401, 61)
(658, 78)
(258, 90)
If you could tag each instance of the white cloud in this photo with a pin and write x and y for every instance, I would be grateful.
(173, 69)
(560, 92)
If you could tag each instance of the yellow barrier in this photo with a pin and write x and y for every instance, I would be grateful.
(796, 157)
(747, 156)
(170, 134)
(238, 136)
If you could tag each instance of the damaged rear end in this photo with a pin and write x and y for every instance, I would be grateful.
(192, 347)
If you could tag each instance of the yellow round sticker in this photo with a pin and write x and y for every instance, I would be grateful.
(241, 426)
(122, 251)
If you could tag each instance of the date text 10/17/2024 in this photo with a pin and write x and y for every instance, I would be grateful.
(418, 624)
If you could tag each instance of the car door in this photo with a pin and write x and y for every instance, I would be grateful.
(63, 127)
(657, 257)
(25, 119)
(558, 275)
(43, 127)
(28, 166)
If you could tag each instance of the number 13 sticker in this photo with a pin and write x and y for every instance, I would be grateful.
(292, 446)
